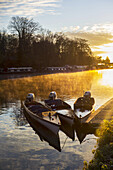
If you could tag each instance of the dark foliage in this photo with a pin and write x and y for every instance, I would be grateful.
(26, 47)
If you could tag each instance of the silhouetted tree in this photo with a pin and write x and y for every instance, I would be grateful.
(3, 48)
(107, 60)
(25, 47)
(3, 43)
(24, 29)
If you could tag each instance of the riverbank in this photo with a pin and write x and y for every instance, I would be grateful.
(21, 75)
(5, 76)
(103, 155)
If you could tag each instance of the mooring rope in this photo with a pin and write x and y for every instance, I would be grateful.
(75, 141)
(64, 143)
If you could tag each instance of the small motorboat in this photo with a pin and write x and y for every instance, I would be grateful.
(84, 103)
(83, 106)
(47, 122)
(56, 104)
(42, 120)
(64, 112)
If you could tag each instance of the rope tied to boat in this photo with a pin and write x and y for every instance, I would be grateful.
(64, 143)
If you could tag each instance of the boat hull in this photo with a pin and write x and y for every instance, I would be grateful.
(46, 130)
(67, 125)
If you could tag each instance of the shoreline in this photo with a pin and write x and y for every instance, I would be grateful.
(5, 76)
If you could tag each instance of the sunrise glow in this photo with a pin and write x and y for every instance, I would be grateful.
(107, 79)
(104, 51)
(93, 23)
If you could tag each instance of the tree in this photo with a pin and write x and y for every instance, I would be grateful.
(107, 60)
(23, 26)
(24, 48)
(25, 29)
(99, 59)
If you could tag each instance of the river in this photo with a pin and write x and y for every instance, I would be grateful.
(20, 147)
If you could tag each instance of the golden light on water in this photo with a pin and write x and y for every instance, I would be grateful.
(107, 79)
(67, 85)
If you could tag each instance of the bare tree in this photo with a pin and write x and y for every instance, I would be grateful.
(24, 28)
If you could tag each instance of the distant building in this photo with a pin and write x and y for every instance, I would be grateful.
(55, 69)
(16, 70)
(20, 69)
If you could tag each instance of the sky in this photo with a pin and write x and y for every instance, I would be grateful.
(88, 19)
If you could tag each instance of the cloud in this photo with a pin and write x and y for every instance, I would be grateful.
(102, 28)
(28, 7)
(101, 32)
(85, 28)
(96, 53)
(100, 37)
(72, 29)
(95, 39)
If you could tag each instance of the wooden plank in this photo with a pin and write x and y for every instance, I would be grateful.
(102, 113)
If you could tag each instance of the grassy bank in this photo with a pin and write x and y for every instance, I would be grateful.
(103, 155)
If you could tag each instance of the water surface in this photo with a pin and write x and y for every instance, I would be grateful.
(20, 147)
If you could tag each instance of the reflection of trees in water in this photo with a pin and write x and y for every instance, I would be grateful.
(18, 117)
(15, 112)
(68, 84)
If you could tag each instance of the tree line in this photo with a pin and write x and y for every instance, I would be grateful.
(29, 44)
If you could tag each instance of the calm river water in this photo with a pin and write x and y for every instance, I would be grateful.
(20, 147)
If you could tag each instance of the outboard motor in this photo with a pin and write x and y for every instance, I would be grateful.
(52, 95)
(87, 94)
(30, 97)
(90, 100)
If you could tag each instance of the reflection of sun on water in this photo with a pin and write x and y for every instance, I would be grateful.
(107, 79)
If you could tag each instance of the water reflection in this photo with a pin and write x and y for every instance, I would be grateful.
(19, 118)
(20, 146)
